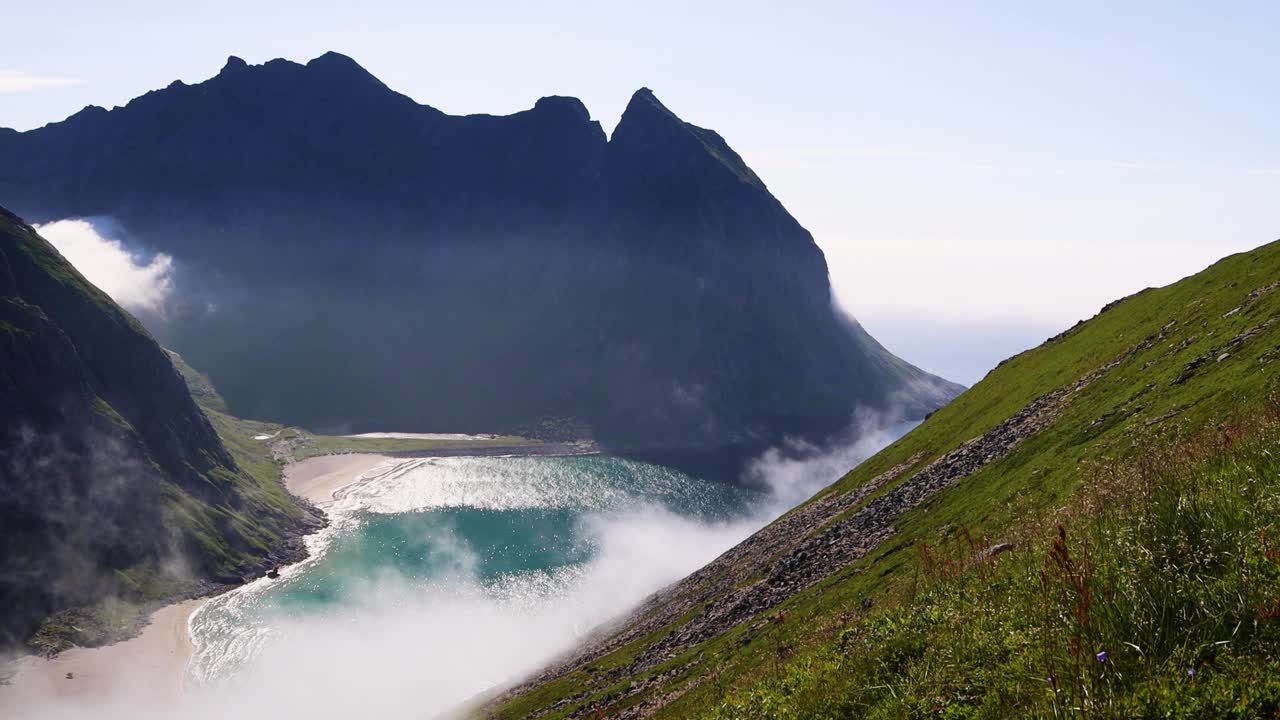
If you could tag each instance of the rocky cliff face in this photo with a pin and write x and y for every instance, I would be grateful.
(110, 477)
(350, 258)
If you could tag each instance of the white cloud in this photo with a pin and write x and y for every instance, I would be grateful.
(136, 283)
(12, 81)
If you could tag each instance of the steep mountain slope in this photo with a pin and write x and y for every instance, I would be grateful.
(825, 612)
(351, 259)
(112, 481)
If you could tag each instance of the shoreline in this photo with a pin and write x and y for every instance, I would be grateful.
(320, 478)
(150, 666)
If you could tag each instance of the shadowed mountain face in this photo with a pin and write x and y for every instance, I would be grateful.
(112, 482)
(350, 258)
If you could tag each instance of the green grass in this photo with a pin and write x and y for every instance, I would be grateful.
(106, 622)
(1014, 499)
(198, 384)
(310, 445)
(1156, 597)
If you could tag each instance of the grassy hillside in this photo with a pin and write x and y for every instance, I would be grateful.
(115, 491)
(1089, 530)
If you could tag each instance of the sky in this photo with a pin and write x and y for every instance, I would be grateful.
(980, 175)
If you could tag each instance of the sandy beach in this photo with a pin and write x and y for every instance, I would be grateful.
(318, 478)
(152, 665)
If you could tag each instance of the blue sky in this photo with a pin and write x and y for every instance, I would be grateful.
(979, 174)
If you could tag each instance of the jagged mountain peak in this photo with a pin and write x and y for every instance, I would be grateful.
(652, 134)
(335, 72)
(332, 59)
(327, 61)
(336, 65)
(645, 108)
(648, 284)
(89, 111)
(562, 103)
(234, 64)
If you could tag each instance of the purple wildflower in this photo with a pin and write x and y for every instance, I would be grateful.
(1102, 656)
(1191, 672)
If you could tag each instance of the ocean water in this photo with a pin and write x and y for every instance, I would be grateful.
(522, 554)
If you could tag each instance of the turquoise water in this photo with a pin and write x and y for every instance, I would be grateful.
(422, 548)
(514, 535)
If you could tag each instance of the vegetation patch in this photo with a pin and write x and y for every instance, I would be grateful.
(1156, 593)
(108, 621)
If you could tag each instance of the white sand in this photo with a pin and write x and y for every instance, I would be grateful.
(151, 666)
(318, 478)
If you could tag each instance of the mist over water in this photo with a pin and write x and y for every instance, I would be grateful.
(494, 553)
(439, 579)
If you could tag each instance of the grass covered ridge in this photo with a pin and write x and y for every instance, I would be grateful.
(1185, 362)
(1154, 593)
(120, 493)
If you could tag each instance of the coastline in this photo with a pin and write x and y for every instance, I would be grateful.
(318, 479)
(150, 666)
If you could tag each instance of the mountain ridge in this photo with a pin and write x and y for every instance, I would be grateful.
(644, 285)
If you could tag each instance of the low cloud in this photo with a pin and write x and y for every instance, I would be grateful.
(395, 648)
(12, 81)
(94, 248)
(797, 470)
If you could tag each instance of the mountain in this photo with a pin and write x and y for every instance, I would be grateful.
(113, 484)
(350, 259)
(1090, 530)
